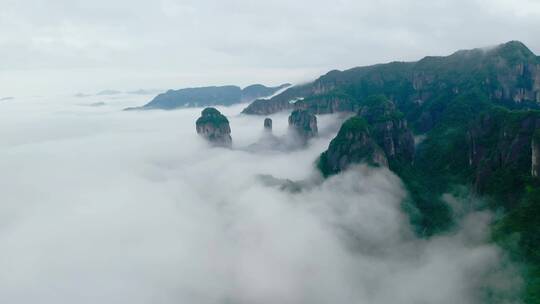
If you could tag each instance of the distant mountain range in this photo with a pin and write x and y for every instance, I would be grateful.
(108, 92)
(209, 96)
(117, 92)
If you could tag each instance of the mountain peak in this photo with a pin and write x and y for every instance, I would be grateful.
(513, 50)
(515, 44)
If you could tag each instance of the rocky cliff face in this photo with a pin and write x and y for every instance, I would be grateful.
(508, 74)
(520, 83)
(353, 144)
(303, 124)
(266, 107)
(535, 154)
(214, 127)
(501, 144)
(389, 128)
(328, 104)
(517, 75)
(377, 135)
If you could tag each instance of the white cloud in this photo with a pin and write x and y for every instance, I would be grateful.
(104, 206)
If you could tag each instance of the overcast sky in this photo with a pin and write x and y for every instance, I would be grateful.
(70, 46)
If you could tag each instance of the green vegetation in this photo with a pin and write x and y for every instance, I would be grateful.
(442, 164)
(519, 232)
(322, 165)
(196, 97)
(354, 124)
(333, 94)
(477, 140)
(345, 144)
(210, 96)
(378, 108)
(333, 101)
(210, 112)
(212, 115)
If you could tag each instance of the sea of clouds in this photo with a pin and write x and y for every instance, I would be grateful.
(99, 205)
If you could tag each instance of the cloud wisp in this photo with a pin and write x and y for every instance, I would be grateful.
(105, 206)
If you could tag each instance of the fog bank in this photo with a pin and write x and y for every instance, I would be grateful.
(104, 206)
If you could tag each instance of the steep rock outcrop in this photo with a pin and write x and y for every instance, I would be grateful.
(352, 145)
(214, 127)
(378, 135)
(500, 146)
(303, 124)
(535, 154)
(268, 124)
(389, 128)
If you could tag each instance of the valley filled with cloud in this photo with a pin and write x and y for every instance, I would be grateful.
(101, 205)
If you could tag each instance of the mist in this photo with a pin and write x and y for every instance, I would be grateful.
(105, 206)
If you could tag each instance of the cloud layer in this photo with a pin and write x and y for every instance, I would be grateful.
(70, 46)
(104, 206)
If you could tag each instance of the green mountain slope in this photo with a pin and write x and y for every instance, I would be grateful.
(508, 74)
(476, 113)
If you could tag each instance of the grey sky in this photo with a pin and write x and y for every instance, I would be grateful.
(67, 46)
